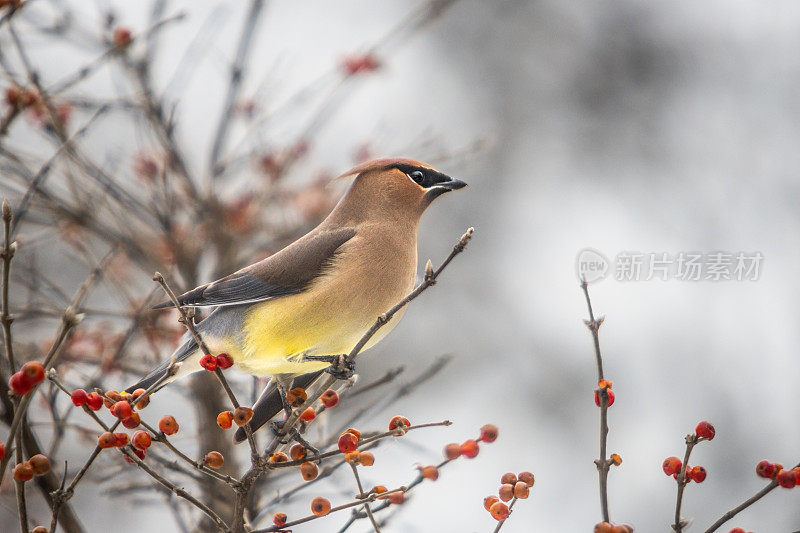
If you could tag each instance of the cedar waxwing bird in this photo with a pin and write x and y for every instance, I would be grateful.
(320, 294)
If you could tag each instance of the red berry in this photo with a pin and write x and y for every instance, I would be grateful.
(499, 511)
(528, 478)
(224, 361)
(521, 490)
(19, 384)
(168, 425)
(132, 421)
(470, 449)
(737, 530)
(214, 460)
(23, 472)
(33, 372)
(308, 415)
(489, 501)
(122, 409)
(122, 37)
(348, 443)
(209, 362)
(142, 440)
(611, 398)
(40, 464)
(2, 451)
(329, 398)
(121, 439)
(297, 396)
(309, 471)
(144, 402)
(697, 474)
(452, 451)
(279, 519)
(489, 433)
(786, 479)
(242, 415)
(354, 431)
(79, 398)
(672, 465)
(399, 422)
(225, 419)
(297, 452)
(94, 401)
(765, 469)
(506, 491)
(320, 506)
(705, 430)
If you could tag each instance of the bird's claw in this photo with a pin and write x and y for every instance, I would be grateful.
(342, 369)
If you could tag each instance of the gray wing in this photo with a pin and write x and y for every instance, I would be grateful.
(287, 272)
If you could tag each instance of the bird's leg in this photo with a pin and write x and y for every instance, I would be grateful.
(282, 384)
(340, 367)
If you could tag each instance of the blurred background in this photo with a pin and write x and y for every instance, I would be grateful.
(620, 126)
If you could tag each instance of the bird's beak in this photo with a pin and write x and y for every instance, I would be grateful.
(442, 187)
(452, 185)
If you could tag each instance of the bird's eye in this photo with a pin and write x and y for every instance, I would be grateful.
(417, 176)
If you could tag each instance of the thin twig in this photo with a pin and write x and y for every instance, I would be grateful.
(682, 480)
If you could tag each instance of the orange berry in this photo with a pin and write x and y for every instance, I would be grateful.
(353, 431)
(142, 440)
(225, 419)
(429, 472)
(489, 433)
(470, 449)
(279, 519)
(786, 479)
(399, 422)
(616, 460)
(40, 464)
(121, 439)
(279, 457)
(320, 506)
(499, 511)
(348, 443)
(765, 469)
(308, 415)
(39, 529)
(214, 460)
(309, 471)
(527, 477)
(489, 501)
(224, 361)
(396, 497)
(33, 372)
(297, 452)
(611, 398)
(144, 402)
(168, 425)
(353, 457)
(672, 465)
(506, 492)
(296, 397)
(209, 362)
(330, 398)
(367, 459)
(452, 451)
(132, 421)
(697, 474)
(242, 415)
(604, 384)
(107, 440)
(521, 490)
(509, 478)
(604, 527)
(122, 409)
(23, 472)
(705, 430)
(380, 489)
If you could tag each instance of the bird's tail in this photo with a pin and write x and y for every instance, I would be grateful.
(269, 404)
(180, 355)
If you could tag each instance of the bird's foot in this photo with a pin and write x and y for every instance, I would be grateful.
(341, 368)
(277, 429)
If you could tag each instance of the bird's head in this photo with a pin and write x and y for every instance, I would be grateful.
(401, 186)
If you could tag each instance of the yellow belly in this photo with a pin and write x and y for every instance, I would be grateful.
(279, 332)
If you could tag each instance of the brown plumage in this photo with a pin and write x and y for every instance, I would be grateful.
(320, 294)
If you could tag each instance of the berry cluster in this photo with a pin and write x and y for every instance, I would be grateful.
(674, 467)
(222, 361)
(788, 479)
(38, 465)
(512, 486)
(28, 377)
